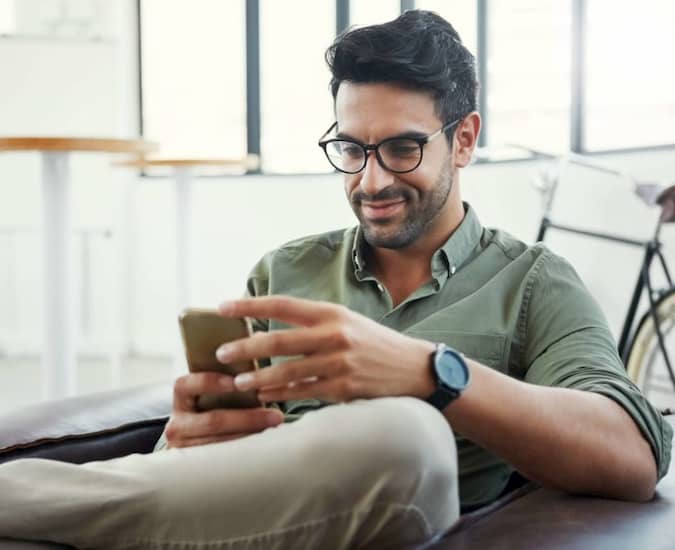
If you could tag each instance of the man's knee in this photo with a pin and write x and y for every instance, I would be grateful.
(395, 450)
(393, 429)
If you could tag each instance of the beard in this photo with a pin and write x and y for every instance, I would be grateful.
(421, 209)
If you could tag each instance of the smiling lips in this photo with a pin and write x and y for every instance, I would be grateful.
(381, 209)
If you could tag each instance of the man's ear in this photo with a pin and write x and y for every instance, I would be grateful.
(465, 139)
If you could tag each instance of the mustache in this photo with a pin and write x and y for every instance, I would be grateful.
(387, 194)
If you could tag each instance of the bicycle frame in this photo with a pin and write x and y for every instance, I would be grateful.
(652, 249)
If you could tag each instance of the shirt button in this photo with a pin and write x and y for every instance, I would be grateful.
(453, 268)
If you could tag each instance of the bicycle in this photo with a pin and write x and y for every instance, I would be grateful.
(647, 348)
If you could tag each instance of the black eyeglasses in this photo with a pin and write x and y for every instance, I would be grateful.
(396, 154)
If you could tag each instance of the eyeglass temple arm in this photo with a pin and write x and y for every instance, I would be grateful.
(327, 132)
(440, 130)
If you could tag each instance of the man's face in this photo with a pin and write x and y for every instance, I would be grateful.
(394, 210)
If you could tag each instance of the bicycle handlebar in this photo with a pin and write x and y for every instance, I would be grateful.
(647, 190)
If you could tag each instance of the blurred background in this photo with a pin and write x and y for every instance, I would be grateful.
(224, 79)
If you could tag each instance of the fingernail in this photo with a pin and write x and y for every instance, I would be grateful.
(223, 353)
(244, 381)
(274, 417)
(224, 307)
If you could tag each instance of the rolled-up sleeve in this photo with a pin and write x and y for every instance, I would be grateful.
(569, 344)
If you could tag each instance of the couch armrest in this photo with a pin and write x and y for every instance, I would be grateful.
(91, 427)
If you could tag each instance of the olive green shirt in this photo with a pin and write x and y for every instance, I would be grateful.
(518, 309)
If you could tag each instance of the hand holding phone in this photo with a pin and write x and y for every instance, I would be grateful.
(188, 426)
(203, 332)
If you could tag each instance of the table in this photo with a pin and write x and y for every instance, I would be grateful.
(184, 172)
(58, 348)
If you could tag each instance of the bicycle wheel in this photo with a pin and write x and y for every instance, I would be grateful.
(646, 365)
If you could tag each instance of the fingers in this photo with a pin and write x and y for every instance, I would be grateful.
(189, 427)
(193, 442)
(185, 429)
(291, 372)
(334, 390)
(280, 343)
(188, 387)
(324, 377)
(293, 311)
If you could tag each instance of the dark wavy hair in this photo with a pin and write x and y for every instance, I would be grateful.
(419, 50)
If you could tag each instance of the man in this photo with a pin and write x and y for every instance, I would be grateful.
(367, 318)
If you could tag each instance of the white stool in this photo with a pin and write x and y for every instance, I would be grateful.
(58, 348)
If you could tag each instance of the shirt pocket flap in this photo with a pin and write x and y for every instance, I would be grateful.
(485, 348)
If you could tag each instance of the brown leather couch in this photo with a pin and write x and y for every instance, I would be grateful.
(101, 426)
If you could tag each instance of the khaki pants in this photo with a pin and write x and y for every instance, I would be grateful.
(374, 474)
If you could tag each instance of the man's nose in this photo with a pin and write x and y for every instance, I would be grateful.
(374, 177)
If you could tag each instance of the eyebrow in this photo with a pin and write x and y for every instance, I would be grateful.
(408, 134)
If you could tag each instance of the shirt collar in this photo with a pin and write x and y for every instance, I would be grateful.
(459, 246)
(358, 254)
(449, 258)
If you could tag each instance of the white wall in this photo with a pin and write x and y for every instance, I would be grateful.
(236, 219)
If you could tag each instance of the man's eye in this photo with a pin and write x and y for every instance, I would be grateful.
(351, 150)
(402, 148)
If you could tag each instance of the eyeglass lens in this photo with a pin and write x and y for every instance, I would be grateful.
(397, 155)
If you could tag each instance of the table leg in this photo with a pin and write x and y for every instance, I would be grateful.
(183, 182)
(58, 348)
(10, 290)
(124, 306)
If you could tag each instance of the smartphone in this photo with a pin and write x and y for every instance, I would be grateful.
(203, 332)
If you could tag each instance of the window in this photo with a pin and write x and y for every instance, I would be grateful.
(73, 19)
(296, 104)
(461, 15)
(194, 74)
(528, 74)
(7, 17)
(369, 12)
(630, 81)
(193, 81)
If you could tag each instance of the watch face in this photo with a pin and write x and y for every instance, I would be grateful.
(452, 370)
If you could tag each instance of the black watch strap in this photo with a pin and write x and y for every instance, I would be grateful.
(442, 397)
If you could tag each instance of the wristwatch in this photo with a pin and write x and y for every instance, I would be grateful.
(451, 375)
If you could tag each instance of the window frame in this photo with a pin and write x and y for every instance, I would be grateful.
(578, 118)
(342, 18)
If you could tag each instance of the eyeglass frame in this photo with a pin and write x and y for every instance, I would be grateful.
(421, 142)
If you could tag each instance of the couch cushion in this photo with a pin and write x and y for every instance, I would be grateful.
(6, 544)
(91, 427)
(543, 518)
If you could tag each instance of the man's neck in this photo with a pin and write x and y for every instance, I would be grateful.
(404, 270)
